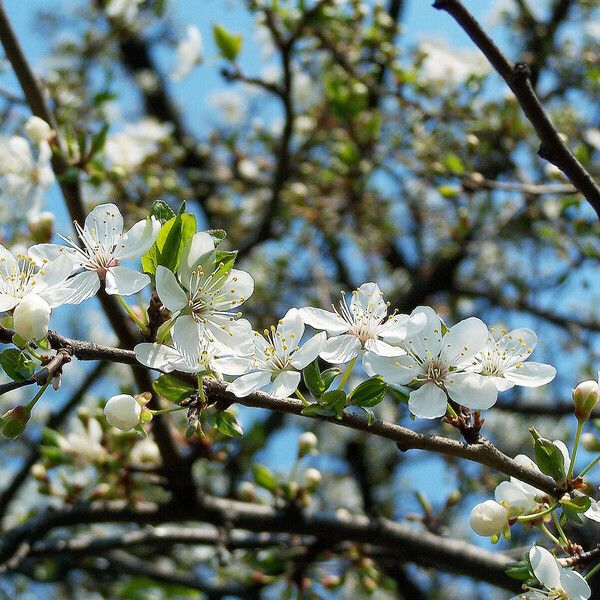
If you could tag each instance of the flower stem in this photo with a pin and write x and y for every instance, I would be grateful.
(165, 332)
(133, 316)
(164, 411)
(561, 533)
(302, 398)
(590, 466)
(543, 513)
(39, 394)
(592, 571)
(551, 536)
(346, 374)
(575, 447)
(33, 353)
(451, 411)
(201, 389)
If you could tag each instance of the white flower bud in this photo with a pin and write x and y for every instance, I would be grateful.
(488, 518)
(307, 443)
(585, 397)
(38, 130)
(312, 478)
(248, 169)
(31, 317)
(590, 442)
(123, 412)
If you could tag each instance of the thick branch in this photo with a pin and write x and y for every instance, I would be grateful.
(516, 76)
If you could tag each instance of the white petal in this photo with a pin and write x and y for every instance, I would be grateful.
(291, 327)
(530, 374)
(195, 252)
(399, 327)
(284, 385)
(395, 370)
(308, 351)
(168, 289)
(340, 349)
(56, 271)
(105, 224)
(428, 342)
(125, 281)
(45, 253)
(428, 402)
(518, 343)
(235, 337)
(139, 239)
(471, 390)
(368, 298)
(501, 383)
(463, 341)
(231, 365)
(324, 319)
(8, 263)
(593, 512)
(519, 501)
(246, 384)
(73, 291)
(383, 348)
(575, 586)
(186, 337)
(545, 567)
(7, 302)
(157, 356)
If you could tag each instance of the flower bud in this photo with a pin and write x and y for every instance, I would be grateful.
(307, 444)
(488, 518)
(590, 442)
(41, 227)
(123, 412)
(312, 478)
(14, 421)
(585, 397)
(38, 130)
(247, 491)
(31, 317)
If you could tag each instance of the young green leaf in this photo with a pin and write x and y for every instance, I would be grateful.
(335, 400)
(549, 459)
(369, 393)
(312, 378)
(227, 424)
(161, 211)
(16, 364)
(173, 389)
(264, 478)
(229, 44)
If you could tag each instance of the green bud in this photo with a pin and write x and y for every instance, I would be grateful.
(585, 398)
(14, 421)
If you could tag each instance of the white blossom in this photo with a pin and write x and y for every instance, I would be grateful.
(38, 130)
(84, 441)
(278, 358)
(362, 325)
(126, 10)
(103, 248)
(450, 65)
(443, 364)
(24, 178)
(192, 353)
(503, 358)
(557, 581)
(189, 53)
(203, 295)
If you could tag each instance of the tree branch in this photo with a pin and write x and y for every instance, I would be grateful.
(552, 147)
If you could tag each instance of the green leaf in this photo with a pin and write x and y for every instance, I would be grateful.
(328, 376)
(579, 504)
(229, 44)
(264, 478)
(549, 459)
(173, 389)
(519, 571)
(161, 211)
(369, 393)
(218, 235)
(367, 413)
(316, 410)
(224, 259)
(453, 163)
(169, 244)
(227, 424)
(98, 141)
(312, 378)
(335, 400)
(16, 364)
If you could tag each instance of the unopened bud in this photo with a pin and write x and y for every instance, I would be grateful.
(488, 518)
(312, 478)
(14, 421)
(307, 444)
(247, 491)
(38, 471)
(123, 412)
(31, 317)
(41, 227)
(38, 130)
(585, 397)
(590, 442)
